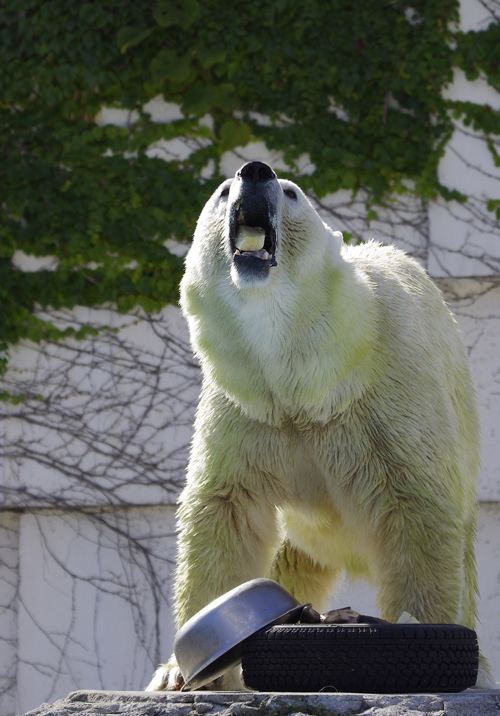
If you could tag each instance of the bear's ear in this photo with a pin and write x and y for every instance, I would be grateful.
(221, 194)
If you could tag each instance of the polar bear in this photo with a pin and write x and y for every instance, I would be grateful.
(337, 427)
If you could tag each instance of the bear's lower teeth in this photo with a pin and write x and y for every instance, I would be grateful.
(261, 254)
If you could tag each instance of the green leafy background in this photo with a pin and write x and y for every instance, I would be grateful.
(90, 196)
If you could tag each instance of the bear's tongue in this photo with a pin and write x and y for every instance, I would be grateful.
(250, 242)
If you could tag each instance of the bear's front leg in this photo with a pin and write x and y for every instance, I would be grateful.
(421, 566)
(227, 535)
(227, 522)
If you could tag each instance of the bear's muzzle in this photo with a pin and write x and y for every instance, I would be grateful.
(253, 210)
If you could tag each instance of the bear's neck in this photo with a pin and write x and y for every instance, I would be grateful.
(300, 352)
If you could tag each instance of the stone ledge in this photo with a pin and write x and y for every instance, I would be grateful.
(473, 702)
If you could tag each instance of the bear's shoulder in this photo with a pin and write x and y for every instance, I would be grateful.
(385, 264)
(375, 255)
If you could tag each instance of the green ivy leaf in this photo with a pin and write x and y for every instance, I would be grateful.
(211, 56)
(130, 36)
(197, 99)
(180, 12)
(234, 134)
(168, 65)
(494, 153)
(348, 179)
(224, 97)
(200, 98)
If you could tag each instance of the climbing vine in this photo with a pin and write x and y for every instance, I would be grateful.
(357, 87)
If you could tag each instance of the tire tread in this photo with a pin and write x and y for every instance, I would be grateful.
(386, 658)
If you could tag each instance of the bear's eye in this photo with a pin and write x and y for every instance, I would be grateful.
(225, 192)
(290, 193)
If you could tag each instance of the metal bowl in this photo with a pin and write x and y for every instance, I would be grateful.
(209, 643)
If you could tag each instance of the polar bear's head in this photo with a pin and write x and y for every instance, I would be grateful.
(256, 226)
(275, 313)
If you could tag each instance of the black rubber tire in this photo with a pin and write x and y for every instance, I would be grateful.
(361, 658)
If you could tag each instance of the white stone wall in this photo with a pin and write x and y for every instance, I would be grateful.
(91, 463)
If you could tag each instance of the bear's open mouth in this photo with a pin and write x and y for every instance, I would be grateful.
(252, 234)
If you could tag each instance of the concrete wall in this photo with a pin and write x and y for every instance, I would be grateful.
(91, 463)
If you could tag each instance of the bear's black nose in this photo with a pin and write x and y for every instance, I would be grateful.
(256, 172)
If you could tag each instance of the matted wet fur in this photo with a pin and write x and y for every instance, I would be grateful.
(337, 427)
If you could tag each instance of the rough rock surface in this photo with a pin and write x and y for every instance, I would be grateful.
(197, 703)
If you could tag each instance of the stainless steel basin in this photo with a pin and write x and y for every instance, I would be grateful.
(209, 643)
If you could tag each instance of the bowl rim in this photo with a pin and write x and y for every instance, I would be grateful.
(197, 679)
